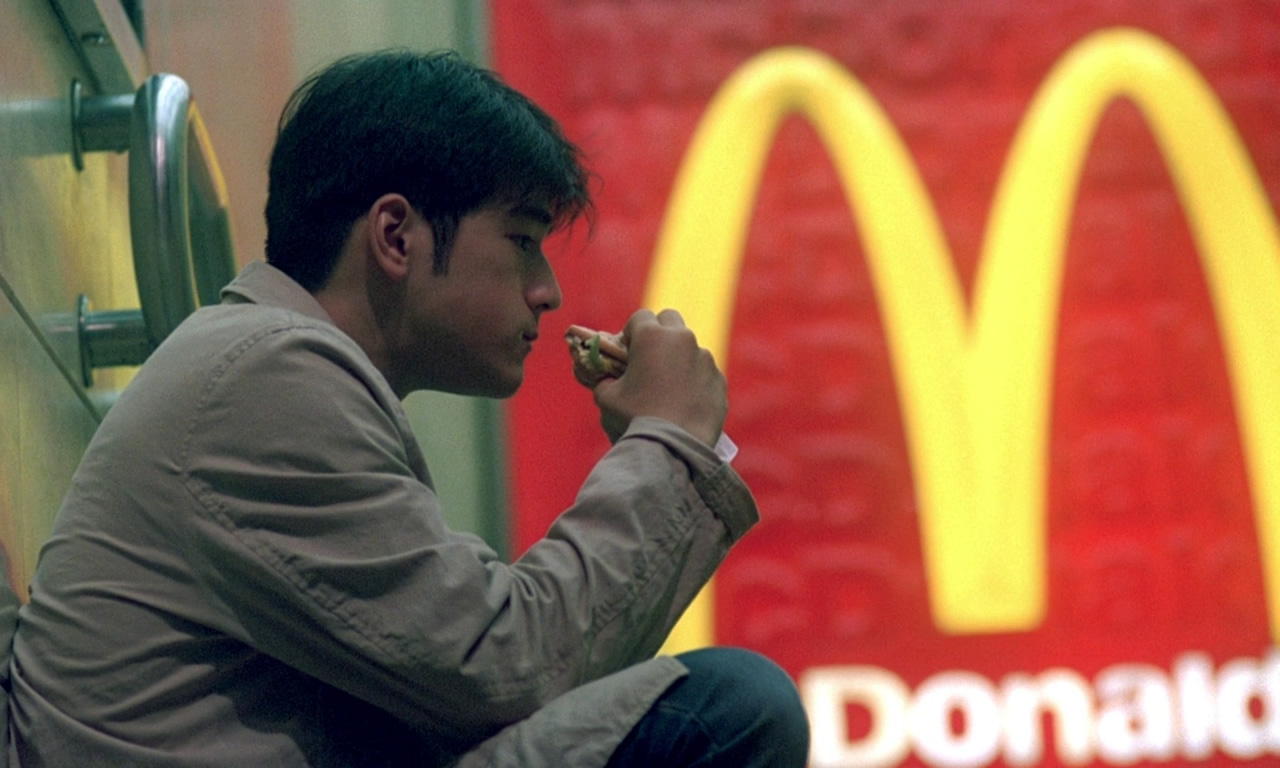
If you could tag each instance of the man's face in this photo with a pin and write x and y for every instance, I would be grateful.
(470, 329)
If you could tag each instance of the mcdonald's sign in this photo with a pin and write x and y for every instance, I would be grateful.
(975, 390)
(975, 393)
(974, 366)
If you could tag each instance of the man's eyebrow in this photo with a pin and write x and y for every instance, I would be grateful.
(530, 211)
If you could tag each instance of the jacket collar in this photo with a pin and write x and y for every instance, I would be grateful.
(261, 283)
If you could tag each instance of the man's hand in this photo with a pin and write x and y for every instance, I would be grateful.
(668, 376)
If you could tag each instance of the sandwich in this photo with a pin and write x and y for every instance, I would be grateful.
(600, 355)
(597, 355)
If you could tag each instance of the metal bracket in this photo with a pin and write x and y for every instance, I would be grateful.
(105, 40)
(178, 215)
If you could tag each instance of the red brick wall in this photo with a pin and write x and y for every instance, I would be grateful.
(1153, 548)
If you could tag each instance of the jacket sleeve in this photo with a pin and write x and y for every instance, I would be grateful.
(325, 547)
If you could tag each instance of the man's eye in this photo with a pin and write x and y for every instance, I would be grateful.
(525, 243)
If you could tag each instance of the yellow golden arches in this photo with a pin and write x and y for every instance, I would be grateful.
(1016, 291)
(700, 248)
(976, 400)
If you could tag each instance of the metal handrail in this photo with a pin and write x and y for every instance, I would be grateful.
(178, 216)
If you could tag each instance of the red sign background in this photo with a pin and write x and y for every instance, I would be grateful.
(1153, 549)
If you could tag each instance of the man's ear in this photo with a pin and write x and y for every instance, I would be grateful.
(396, 234)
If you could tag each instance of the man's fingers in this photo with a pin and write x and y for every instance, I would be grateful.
(638, 318)
(669, 376)
(670, 318)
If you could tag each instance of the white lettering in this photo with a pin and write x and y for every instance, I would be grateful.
(1244, 684)
(977, 741)
(828, 692)
(1131, 713)
(1135, 718)
(1063, 692)
(1197, 712)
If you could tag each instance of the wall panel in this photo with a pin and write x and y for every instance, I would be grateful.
(63, 233)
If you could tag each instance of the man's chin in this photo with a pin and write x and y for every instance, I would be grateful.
(497, 388)
(478, 382)
(502, 393)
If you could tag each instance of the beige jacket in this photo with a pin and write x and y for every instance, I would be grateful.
(251, 569)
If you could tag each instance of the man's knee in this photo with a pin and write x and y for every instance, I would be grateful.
(757, 699)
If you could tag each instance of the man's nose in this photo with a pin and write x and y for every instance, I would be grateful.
(544, 292)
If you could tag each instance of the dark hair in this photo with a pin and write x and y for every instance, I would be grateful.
(448, 135)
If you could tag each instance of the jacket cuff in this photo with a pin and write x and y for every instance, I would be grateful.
(719, 486)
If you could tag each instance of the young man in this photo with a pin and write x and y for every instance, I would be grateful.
(251, 567)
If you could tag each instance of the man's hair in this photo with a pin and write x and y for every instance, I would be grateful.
(448, 135)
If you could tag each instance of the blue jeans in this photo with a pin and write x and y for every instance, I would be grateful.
(735, 708)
